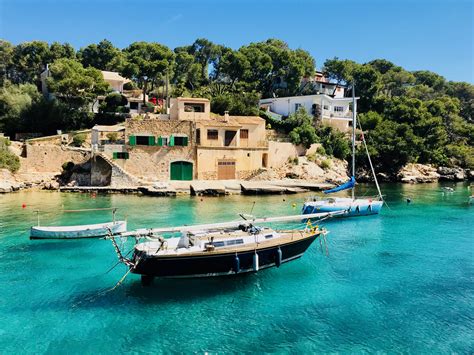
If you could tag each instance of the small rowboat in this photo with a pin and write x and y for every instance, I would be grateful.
(81, 231)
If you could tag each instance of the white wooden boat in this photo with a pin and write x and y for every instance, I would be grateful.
(80, 231)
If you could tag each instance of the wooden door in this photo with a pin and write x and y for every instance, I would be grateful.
(181, 170)
(226, 169)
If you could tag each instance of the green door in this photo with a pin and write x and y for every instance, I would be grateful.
(181, 170)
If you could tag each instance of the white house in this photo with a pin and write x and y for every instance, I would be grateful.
(321, 85)
(116, 82)
(335, 112)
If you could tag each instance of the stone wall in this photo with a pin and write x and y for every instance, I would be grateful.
(279, 152)
(153, 163)
(50, 158)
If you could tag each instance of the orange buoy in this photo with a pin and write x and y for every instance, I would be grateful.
(23, 205)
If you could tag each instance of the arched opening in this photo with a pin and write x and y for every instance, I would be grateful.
(181, 170)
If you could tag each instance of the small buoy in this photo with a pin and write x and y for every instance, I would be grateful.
(408, 200)
(278, 257)
(236, 264)
(293, 205)
(202, 200)
(23, 205)
(255, 262)
(284, 199)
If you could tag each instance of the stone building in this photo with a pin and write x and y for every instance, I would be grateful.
(189, 143)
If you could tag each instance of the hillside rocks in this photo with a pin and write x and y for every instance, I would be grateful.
(452, 174)
(418, 173)
(308, 170)
(8, 182)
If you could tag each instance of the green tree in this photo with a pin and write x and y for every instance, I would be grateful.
(6, 61)
(74, 84)
(144, 62)
(103, 56)
(15, 102)
(302, 128)
(58, 51)
(29, 61)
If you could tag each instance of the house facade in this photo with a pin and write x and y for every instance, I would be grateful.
(321, 85)
(334, 112)
(189, 143)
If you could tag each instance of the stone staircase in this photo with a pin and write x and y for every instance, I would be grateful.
(120, 177)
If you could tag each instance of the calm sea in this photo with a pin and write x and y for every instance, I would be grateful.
(402, 281)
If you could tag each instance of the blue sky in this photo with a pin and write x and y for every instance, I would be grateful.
(435, 35)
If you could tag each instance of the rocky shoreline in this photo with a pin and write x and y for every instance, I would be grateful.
(290, 177)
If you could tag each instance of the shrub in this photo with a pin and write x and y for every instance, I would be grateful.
(67, 166)
(130, 86)
(9, 161)
(293, 160)
(326, 164)
(78, 139)
(311, 157)
(320, 150)
(112, 136)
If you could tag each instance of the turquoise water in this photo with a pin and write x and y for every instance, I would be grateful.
(399, 282)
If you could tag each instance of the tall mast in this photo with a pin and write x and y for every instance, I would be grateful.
(354, 110)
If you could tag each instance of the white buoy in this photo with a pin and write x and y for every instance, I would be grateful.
(255, 262)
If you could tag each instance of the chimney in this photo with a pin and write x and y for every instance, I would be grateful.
(226, 116)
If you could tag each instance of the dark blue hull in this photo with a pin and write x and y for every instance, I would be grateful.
(208, 264)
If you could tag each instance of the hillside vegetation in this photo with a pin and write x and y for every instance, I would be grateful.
(407, 116)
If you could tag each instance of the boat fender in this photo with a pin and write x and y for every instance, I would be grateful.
(357, 209)
(255, 262)
(236, 264)
(369, 208)
(278, 257)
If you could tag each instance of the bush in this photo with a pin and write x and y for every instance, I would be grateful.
(9, 161)
(78, 139)
(320, 150)
(68, 166)
(293, 160)
(130, 86)
(326, 164)
(112, 136)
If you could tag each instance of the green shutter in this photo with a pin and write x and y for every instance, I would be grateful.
(132, 140)
(171, 142)
(114, 155)
(151, 140)
(160, 141)
(185, 141)
(125, 155)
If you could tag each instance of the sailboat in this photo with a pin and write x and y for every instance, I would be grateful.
(218, 249)
(351, 206)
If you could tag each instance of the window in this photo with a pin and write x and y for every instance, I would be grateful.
(145, 140)
(297, 107)
(198, 136)
(181, 141)
(120, 155)
(338, 109)
(192, 107)
(133, 105)
(212, 134)
(244, 134)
